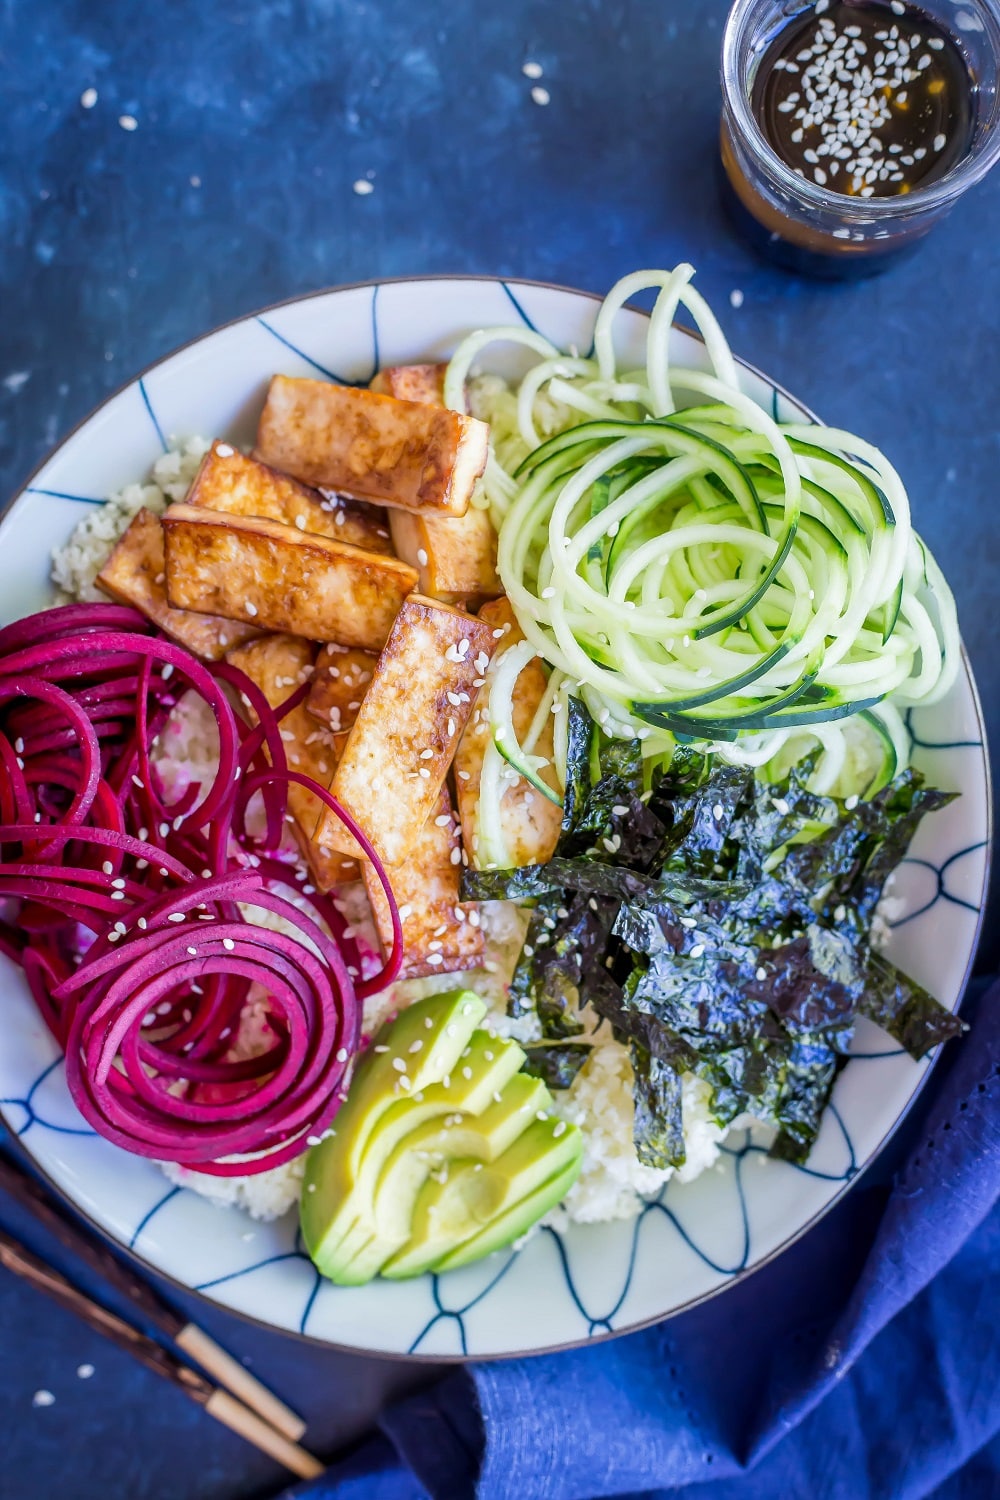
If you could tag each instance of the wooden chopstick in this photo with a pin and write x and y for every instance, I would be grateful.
(217, 1402)
(195, 1342)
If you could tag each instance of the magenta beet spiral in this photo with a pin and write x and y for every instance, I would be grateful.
(128, 912)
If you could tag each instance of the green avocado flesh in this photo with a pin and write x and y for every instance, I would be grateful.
(443, 1151)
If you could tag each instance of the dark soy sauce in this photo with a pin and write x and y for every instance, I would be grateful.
(867, 99)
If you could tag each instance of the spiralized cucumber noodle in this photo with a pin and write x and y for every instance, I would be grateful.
(692, 567)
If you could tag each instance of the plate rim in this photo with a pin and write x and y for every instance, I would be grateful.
(21, 494)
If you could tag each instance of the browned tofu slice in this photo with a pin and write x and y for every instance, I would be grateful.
(135, 574)
(530, 822)
(276, 663)
(358, 524)
(456, 555)
(410, 720)
(423, 383)
(396, 453)
(339, 683)
(282, 579)
(228, 481)
(440, 935)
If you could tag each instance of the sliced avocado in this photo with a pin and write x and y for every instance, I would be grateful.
(428, 1039)
(427, 1151)
(492, 1064)
(508, 1226)
(473, 1197)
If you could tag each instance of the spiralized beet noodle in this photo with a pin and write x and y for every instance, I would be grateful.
(124, 911)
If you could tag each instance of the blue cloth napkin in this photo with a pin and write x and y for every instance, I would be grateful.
(862, 1364)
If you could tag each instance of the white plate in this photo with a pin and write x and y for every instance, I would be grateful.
(692, 1241)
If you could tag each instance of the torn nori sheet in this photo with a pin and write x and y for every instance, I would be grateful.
(721, 925)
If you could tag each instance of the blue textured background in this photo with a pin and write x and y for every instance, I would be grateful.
(236, 190)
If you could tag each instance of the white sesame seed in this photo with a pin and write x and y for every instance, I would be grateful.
(456, 855)
(940, 141)
(228, 944)
(736, 297)
(697, 950)
(88, 98)
(540, 95)
(43, 1398)
(761, 973)
(851, 802)
(128, 122)
(532, 70)
(84, 1372)
(363, 187)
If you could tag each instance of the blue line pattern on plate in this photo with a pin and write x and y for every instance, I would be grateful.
(376, 356)
(457, 1314)
(33, 489)
(151, 1213)
(323, 369)
(32, 1116)
(520, 310)
(328, 374)
(295, 1253)
(152, 414)
(942, 893)
(923, 744)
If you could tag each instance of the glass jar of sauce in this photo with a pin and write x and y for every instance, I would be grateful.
(850, 127)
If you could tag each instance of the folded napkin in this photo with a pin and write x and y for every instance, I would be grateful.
(862, 1364)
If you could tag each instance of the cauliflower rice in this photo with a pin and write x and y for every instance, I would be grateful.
(613, 1184)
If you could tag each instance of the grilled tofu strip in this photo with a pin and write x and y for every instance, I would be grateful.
(358, 524)
(228, 481)
(339, 683)
(440, 936)
(396, 453)
(280, 578)
(456, 555)
(530, 822)
(403, 740)
(135, 574)
(276, 663)
(422, 383)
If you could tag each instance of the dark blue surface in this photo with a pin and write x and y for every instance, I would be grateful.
(254, 120)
